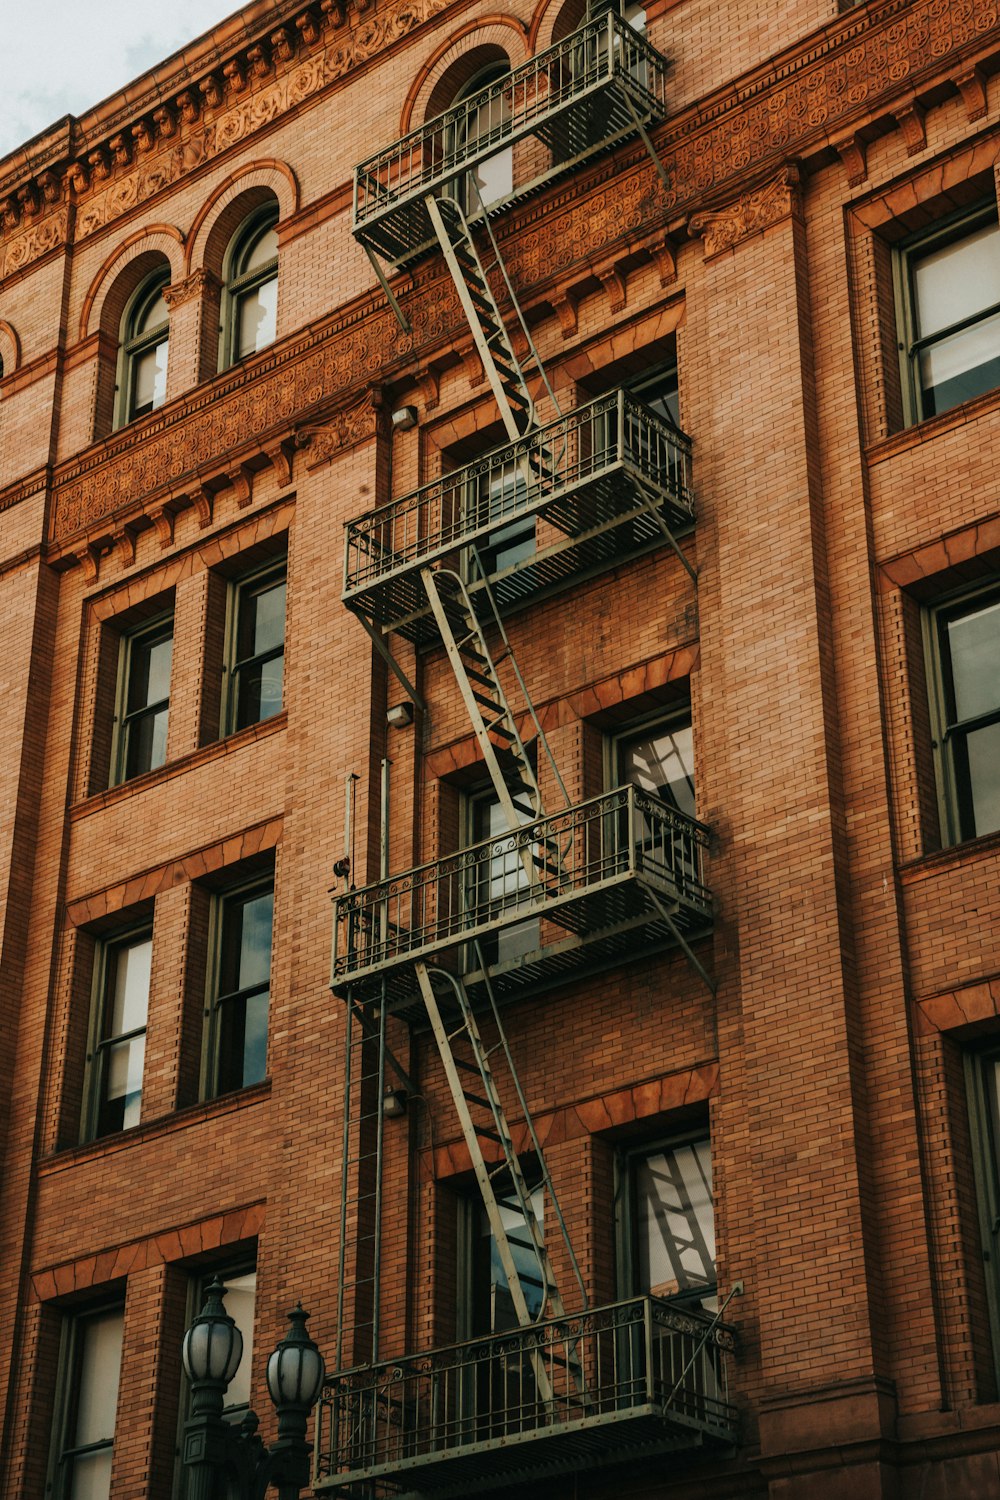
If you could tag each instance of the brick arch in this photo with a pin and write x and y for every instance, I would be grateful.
(554, 19)
(241, 192)
(486, 40)
(10, 347)
(121, 272)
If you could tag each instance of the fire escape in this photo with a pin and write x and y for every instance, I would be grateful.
(603, 881)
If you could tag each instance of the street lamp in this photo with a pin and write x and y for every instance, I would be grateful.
(226, 1463)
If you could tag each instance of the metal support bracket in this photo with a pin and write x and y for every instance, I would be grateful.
(640, 127)
(653, 508)
(387, 656)
(401, 317)
(682, 942)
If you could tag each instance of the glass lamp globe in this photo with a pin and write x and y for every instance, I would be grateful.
(213, 1345)
(295, 1370)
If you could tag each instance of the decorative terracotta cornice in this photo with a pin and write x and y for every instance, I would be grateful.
(854, 70)
(238, 96)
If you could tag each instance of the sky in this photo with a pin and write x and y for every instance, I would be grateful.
(61, 56)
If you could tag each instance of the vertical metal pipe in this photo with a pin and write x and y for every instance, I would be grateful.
(383, 872)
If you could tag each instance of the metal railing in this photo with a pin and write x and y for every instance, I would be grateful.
(639, 1360)
(617, 432)
(604, 52)
(622, 835)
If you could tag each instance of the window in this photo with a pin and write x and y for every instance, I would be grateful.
(250, 303)
(667, 1241)
(948, 291)
(964, 646)
(498, 491)
(118, 1048)
(142, 363)
(485, 1302)
(498, 883)
(143, 700)
(660, 759)
(237, 1049)
(92, 1351)
(493, 179)
(256, 648)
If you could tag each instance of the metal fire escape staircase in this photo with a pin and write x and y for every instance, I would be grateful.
(470, 1064)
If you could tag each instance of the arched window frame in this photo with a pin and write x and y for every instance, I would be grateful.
(503, 161)
(242, 283)
(137, 342)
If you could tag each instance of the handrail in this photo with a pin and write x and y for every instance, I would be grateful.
(621, 834)
(603, 51)
(601, 1366)
(614, 432)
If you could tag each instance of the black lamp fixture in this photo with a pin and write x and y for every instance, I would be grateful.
(223, 1460)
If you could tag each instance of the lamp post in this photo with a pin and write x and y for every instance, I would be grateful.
(226, 1463)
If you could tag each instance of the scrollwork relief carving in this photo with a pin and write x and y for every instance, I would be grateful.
(749, 215)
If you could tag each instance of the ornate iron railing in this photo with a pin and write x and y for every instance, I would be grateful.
(624, 836)
(644, 1371)
(616, 436)
(579, 95)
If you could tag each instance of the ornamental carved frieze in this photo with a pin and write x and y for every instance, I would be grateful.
(751, 213)
(355, 424)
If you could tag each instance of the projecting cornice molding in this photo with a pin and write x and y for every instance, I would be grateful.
(867, 64)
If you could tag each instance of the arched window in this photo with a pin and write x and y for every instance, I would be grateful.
(250, 303)
(142, 355)
(494, 177)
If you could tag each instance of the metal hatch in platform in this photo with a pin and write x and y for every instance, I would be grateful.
(631, 880)
(606, 481)
(471, 1418)
(581, 96)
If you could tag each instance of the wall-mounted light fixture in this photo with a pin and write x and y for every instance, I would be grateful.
(404, 417)
(400, 715)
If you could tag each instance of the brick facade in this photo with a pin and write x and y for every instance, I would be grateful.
(855, 946)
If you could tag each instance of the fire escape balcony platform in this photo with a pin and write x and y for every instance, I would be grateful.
(605, 482)
(648, 1378)
(618, 877)
(579, 97)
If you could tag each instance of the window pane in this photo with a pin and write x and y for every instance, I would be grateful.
(261, 625)
(90, 1476)
(148, 671)
(149, 379)
(256, 318)
(974, 648)
(262, 250)
(982, 760)
(675, 1220)
(99, 1364)
(240, 1297)
(662, 762)
(242, 1041)
(247, 941)
(259, 692)
(957, 281)
(151, 316)
(130, 965)
(123, 1064)
(147, 743)
(502, 1313)
(959, 367)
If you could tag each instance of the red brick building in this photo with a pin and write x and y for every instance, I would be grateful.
(528, 474)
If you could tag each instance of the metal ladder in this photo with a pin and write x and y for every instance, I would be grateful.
(361, 1183)
(559, 1378)
(500, 364)
(492, 720)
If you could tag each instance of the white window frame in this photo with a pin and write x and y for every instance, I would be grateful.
(100, 1045)
(132, 346)
(236, 287)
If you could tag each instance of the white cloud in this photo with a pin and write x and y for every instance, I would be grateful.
(62, 57)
